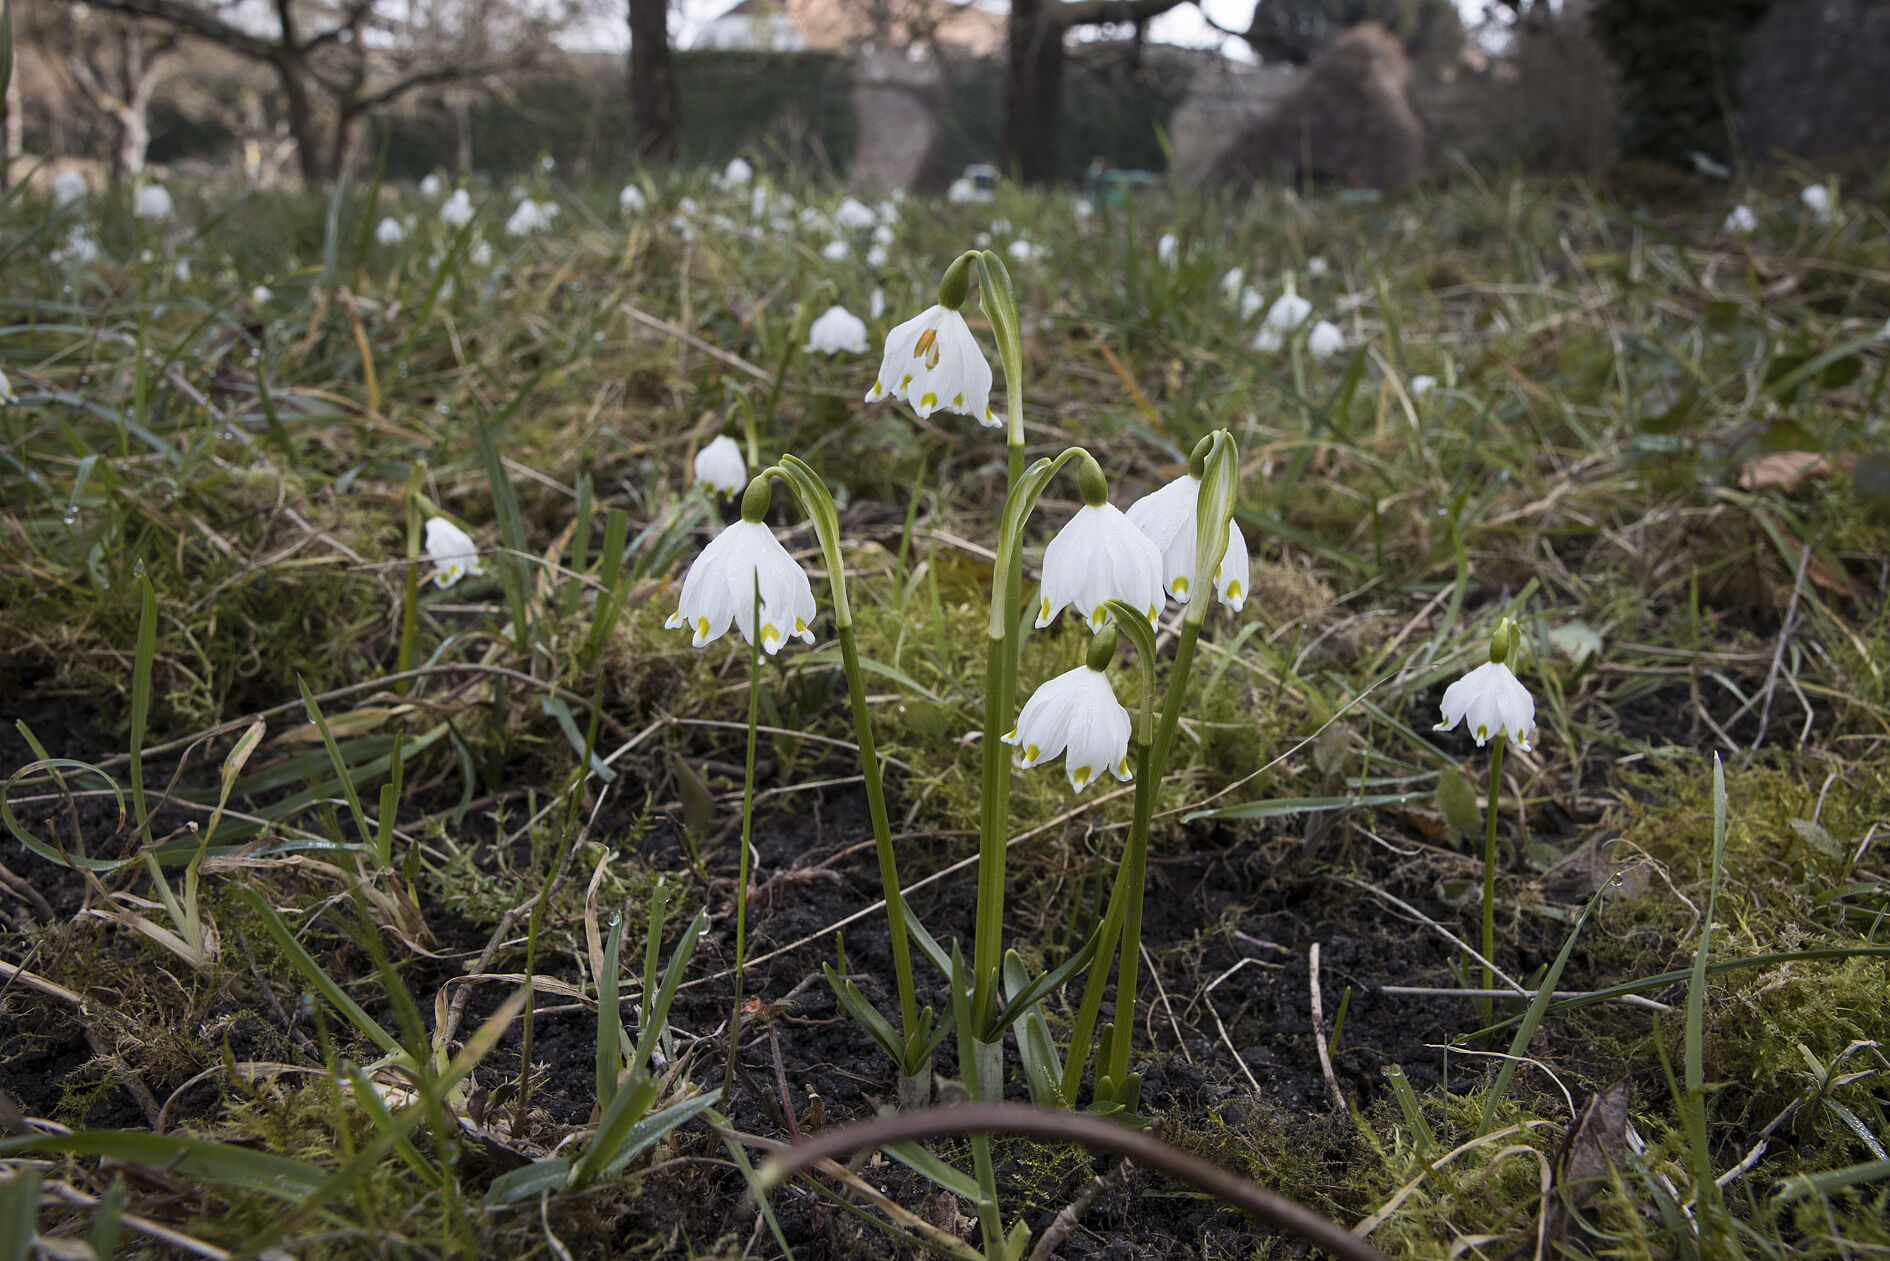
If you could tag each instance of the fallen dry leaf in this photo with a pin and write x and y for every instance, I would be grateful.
(1783, 470)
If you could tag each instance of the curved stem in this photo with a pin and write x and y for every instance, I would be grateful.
(1489, 871)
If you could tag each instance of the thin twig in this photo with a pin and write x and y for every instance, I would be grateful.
(1778, 653)
(1066, 1220)
(1319, 1030)
(1430, 991)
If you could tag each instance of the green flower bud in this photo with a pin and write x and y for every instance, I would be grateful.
(1102, 649)
(756, 498)
(1094, 485)
(955, 286)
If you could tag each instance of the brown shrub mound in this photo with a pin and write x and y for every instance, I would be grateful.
(1351, 119)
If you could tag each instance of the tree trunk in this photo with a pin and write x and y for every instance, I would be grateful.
(1033, 91)
(310, 154)
(462, 136)
(652, 82)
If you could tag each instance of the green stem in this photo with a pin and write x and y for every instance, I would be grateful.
(1489, 872)
(988, 934)
(741, 866)
(882, 838)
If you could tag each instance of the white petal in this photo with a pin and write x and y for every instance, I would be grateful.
(1098, 556)
(1167, 516)
(720, 468)
(1231, 579)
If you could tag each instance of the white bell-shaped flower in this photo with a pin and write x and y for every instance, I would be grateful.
(631, 200)
(452, 552)
(933, 361)
(1022, 251)
(1167, 516)
(457, 211)
(1097, 556)
(1251, 300)
(884, 234)
(1421, 384)
(389, 231)
(181, 270)
(528, 218)
(1084, 208)
(837, 330)
(1268, 340)
(719, 466)
(154, 202)
(877, 257)
(854, 214)
(1741, 221)
(962, 192)
(6, 390)
(1316, 267)
(1817, 200)
(1168, 249)
(1325, 340)
(736, 174)
(876, 305)
(481, 254)
(1076, 714)
(261, 295)
(1232, 281)
(720, 588)
(836, 251)
(1490, 701)
(431, 185)
(68, 187)
(1288, 312)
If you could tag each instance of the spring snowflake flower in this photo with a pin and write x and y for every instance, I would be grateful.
(1741, 221)
(1076, 712)
(1232, 282)
(1084, 208)
(1316, 267)
(1325, 340)
(68, 187)
(877, 257)
(631, 200)
(719, 466)
(720, 588)
(154, 202)
(1288, 312)
(1168, 250)
(837, 330)
(1268, 340)
(1099, 555)
(836, 251)
(181, 270)
(884, 234)
(480, 255)
(528, 218)
(853, 214)
(876, 306)
(452, 552)
(261, 295)
(1167, 516)
(1251, 300)
(79, 248)
(736, 174)
(6, 390)
(1421, 384)
(432, 186)
(1022, 251)
(1817, 199)
(933, 361)
(457, 211)
(389, 231)
(1490, 700)
(961, 192)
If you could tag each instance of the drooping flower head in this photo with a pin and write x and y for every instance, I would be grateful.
(837, 330)
(1288, 311)
(1168, 249)
(457, 211)
(1076, 714)
(1170, 520)
(932, 360)
(1421, 384)
(1325, 340)
(722, 586)
(154, 202)
(1098, 556)
(854, 214)
(1232, 282)
(431, 185)
(631, 200)
(1818, 200)
(452, 552)
(1741, 221)
(1490, 700)
(389, 231)
(528, 218)
(736, 174)
(719, 467)
(69, 186)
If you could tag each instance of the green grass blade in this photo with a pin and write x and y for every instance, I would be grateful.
(334, 756)
(146, 650)
(609, 1017)
(202, 1159)
(666, 993)
(312, 972)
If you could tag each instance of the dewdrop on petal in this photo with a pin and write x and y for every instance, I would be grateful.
(1076, 714)
(1325, 340)
(837, 330)
(720, 588)
(719, 466)
(452, 552)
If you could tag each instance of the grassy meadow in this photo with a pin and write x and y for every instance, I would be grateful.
(367, 979)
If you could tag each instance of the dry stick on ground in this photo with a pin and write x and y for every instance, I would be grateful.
(1161, 992)
(1319, 1030)
(1784, 638)
(1065, 1221)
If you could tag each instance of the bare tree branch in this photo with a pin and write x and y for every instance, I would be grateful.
(1099, 12)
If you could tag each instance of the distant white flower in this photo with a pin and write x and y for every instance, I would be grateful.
(1268, 340)
(261, 295)
(389, 231)
(688, 205)
(1817, 199)
(877, 257)
(887, 210)
(736, 174)
(1490, 700)
(1022, 251)
(884, 234)
(547, 164)
(1251, 300)
(1168, 249)
(68, 187)
(1232, 281)
(1315, 266)
(1325, 340)
(836, 251)
(154, 202)
(452, 552)
(631, 200)
(480, 255)
(852, 213)
(432, 186)
(1167, 516)
(1884, 336)
(1077, 711)
(1083, 208)
(1422, 384)
(181, 269)
(1741, 220)
(1099, 555)
(528, 218)
(1288, 312)
(6, 390)
(720, 588)
(1000, 227)
(79, 248)
(961, 192)
(457, 211)
(876, 305)
(719, 466)
(758, 202)
(837, 330)
(933, 361)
